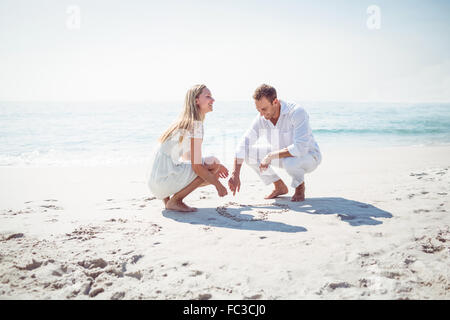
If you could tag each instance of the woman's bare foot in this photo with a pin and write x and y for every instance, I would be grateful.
(178, 205)
(280, 189)
(191, 209)
(299, 194)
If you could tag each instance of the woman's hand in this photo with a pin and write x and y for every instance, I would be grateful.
(222, 172)
(221, 190)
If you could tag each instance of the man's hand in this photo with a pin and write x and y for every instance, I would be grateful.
(234, 183)
(265, 162)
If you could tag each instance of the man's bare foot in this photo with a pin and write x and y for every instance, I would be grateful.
(299, 194)
(165, 200)
(280, 189)
(178, 205)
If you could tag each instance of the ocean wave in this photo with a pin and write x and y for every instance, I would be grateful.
(85, 134)
(387, 131)
(56, 158)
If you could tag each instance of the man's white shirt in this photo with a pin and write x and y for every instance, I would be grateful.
(292, 131)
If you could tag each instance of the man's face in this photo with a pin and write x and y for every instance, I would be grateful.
(265, 108)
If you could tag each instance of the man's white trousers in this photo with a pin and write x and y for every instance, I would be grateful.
(296, 167)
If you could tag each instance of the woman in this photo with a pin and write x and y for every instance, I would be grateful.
(178, 167)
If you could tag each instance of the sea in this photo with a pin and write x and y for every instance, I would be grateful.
(46, 134)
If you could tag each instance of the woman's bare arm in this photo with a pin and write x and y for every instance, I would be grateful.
(197, 166)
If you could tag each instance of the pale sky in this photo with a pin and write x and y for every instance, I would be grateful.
(155, 50)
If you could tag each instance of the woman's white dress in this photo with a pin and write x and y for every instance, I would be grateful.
(170, 172)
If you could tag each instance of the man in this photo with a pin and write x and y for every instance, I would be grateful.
(292, 145)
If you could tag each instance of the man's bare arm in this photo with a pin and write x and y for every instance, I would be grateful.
(283, 153)
(235, 182)
(237, 165)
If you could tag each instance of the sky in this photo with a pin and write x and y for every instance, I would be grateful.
(328, 50)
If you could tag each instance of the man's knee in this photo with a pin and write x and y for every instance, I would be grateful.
(291, 164)
(295, 164)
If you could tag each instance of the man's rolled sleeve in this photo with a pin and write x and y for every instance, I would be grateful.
(299, 147)
(249, 138)
(240, 150)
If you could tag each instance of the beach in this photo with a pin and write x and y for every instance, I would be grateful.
(88, 95)
(375, 225)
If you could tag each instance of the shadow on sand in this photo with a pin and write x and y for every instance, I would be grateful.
(353, 212)
(231, 215)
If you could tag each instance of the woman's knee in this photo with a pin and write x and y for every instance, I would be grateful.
(211, 160)
(212, 163)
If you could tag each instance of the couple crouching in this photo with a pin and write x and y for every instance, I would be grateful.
(179, 168)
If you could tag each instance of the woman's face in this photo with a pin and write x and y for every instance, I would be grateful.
(205, 101)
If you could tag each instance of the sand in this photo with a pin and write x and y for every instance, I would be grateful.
(375, 225)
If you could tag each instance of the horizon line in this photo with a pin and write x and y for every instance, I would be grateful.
(223, 100)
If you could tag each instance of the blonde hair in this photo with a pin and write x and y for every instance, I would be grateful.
(189, 115)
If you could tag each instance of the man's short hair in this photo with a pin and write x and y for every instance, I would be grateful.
(266, 91)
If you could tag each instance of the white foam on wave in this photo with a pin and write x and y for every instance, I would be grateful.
(55, 158)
